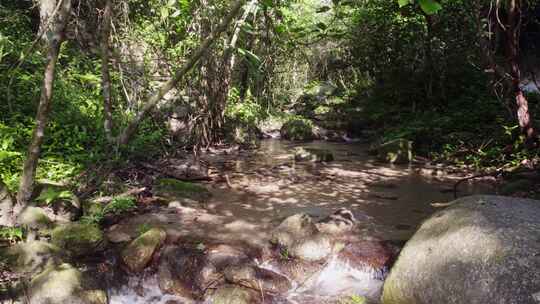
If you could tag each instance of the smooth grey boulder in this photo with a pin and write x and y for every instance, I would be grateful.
(63, 284)
(294, 228)
(481, 249)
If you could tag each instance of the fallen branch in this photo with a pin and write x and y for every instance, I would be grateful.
(130, 192)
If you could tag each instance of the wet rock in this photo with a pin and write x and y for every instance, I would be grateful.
(114, 235)
(292, 229)
(174, 189)
(79, 239)
(31, 257)
(481, 249)
(313, 155)
(517, 186)
(222, 255)
(312, 248)
(186, 272)
(397, 151)
(373, 256)
(183, 169)
(261, 279)
(140, 251)
(298, 129)
(232, 294)
(63, 284)
(340, 222)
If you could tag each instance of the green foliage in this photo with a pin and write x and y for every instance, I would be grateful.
(51, 195)
(298, 128)
(116, 207)
(143, 228)
(120, 205)
(247, 111)
(11, 234)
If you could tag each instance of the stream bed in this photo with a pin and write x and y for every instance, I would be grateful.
(262, 187)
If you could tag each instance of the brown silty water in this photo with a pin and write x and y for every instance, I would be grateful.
(266, 185)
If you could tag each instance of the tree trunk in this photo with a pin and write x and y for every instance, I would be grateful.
(105, 75)
(54, 37)
(6, 206)
(512, 43)
(131, 128)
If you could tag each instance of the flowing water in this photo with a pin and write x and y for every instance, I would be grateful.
(260, 188)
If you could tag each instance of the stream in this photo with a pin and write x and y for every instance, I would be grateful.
(262, 187)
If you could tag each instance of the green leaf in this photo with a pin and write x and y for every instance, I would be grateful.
(430, 7)
(403, 3)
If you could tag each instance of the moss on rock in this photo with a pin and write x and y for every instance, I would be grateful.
(139, 252)
(78, 239)
(175, 189)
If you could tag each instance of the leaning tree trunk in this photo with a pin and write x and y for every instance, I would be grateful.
(512, 43)
(54, 38)
(154, 99)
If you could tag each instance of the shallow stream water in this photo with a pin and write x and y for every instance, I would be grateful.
(262, 187)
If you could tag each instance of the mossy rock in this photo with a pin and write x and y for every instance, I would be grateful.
(246, 136)
(233, 294)
(298, 129)
(398, 151)
(35, 218)
(63, 284)
(140, 251)
(313, 155)
(175, 189)
(79, 239)
(30, 257)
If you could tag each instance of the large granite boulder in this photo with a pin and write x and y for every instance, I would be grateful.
(481, 249)
(139, 252)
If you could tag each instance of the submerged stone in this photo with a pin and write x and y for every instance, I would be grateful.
(313, 155)
(139, 252)
(253, 277)
(481, 249)
(175, 189)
